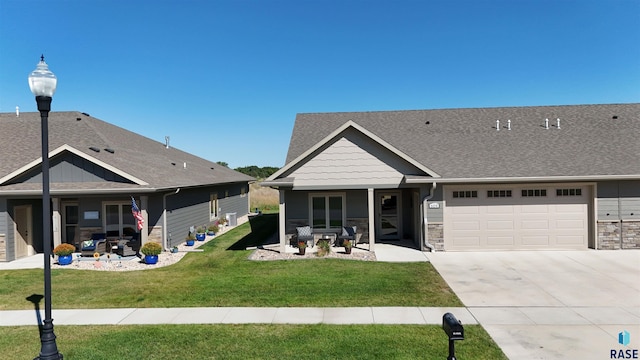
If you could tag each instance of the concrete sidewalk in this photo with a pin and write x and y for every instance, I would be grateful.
(241, 315)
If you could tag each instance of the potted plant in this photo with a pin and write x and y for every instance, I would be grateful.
(200, 235)
(174, 250)
(324, 248)
(347, 246)
(151, 250)
(302, 247)
(64, 252)
(190, 239)
(212, 230)
(222, 221)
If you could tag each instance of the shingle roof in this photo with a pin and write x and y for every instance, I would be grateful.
(133, 154)
(464, 143)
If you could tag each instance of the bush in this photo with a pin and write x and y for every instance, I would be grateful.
(64, 249)
(151, 248)
(323, 248)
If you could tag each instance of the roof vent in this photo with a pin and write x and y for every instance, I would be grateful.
(615, 117)
(17, 111)
(166, 142)
(174, 164)
(78, 119)
(546, 123)
(427, 123)
(508, 124)
(109, 150)
(184, 165)
(85, 114)
(497, 125)
(94, 149)
(558, 123)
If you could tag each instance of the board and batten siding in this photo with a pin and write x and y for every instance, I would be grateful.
(69, 167)
(352, 161)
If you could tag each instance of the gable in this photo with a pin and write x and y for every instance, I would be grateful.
(68, 167)
(351, 160)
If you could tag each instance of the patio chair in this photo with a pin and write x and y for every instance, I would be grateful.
(348, 233)
(97, 244)
(128, 247)
(304, 233)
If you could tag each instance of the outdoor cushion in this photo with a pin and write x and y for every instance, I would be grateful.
(88, 244)
(304, 231)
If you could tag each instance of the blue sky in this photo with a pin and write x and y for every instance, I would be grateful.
(225, 79)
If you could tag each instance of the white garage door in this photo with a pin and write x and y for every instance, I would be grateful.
(516, 217)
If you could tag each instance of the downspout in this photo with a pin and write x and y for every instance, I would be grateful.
(425, 225)
(164, 217)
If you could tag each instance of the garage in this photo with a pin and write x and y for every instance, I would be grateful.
(516, 217)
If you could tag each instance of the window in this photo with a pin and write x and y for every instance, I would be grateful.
(534, 192)
(213, 206)
(118, 219)
(569, 192)
(465, 194)
(327, 211)
(498, 193)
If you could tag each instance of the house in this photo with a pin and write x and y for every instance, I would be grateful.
(509, 178)
(95, 170)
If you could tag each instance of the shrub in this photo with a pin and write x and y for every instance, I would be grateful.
(151, 248)
(323, 248)
(200, 230)
(64, 249)
(302, 244)
(213, 228)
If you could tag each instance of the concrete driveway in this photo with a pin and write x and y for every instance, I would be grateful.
(550, 304)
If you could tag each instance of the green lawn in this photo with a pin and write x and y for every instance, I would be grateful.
(251, 342)
(222, 276)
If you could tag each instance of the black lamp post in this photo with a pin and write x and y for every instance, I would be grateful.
(43, 84)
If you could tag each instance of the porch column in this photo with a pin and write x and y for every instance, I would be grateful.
(56, 218)
(144, 232)
(282, 233)
(372, 219)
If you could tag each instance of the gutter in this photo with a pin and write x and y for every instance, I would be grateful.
(164, 217)
(425, 224)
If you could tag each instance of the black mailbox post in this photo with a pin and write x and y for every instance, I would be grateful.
(454, 330)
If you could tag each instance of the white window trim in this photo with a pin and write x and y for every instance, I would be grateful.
(343, 197)
(121, 213)
(214, 197)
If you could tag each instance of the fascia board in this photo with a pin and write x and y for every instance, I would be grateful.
(522, 179)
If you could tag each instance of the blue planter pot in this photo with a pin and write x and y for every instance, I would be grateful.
(210, 233)
(201, 237)
(151, 259)
(65, 259)
(190, 242)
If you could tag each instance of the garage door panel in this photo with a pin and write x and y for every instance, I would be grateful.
(500, 241)
(537, 240)
(500, 225)
(534, 222)
(542, 224)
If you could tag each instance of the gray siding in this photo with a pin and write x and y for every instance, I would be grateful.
(619, 200)
(353, 161)
(4, 223)
(68, 167)
(191, 208)
(435, 215)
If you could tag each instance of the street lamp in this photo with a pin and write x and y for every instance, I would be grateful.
(43, 83)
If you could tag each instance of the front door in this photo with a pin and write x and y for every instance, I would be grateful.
(70, 223)
(22, 231)
(388, 224)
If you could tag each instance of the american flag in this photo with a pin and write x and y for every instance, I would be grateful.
(136, 213)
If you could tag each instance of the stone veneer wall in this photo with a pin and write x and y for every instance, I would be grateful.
(155, 235)
(3, 247)
(609, 235)
(436, 235)
(362, 228)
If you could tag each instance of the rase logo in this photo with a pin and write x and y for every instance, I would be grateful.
(624, 338)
